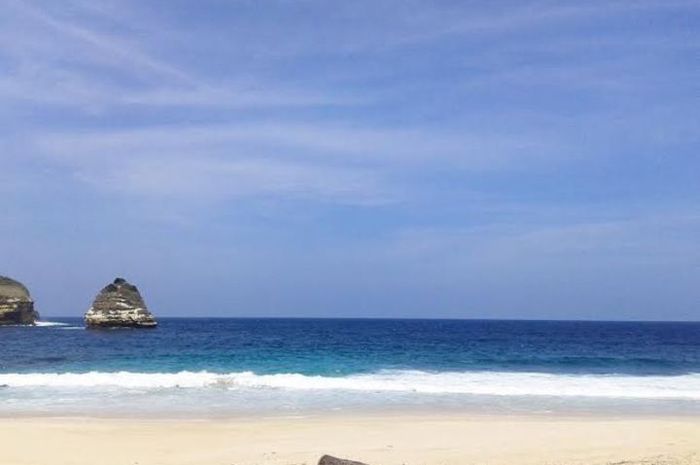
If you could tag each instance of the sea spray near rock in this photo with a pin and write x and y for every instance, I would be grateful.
(119, 305)
(16, 304)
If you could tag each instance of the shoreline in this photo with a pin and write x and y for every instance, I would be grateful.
(379, 439)
(368, 413)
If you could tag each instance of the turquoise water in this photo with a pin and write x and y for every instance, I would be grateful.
(228, 366)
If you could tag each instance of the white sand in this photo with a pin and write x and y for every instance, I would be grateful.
(411, 439)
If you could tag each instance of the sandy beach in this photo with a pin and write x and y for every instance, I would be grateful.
(415, 439)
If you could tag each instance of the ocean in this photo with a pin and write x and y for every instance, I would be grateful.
(222, 367)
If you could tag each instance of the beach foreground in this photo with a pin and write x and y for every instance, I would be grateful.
(389, 439)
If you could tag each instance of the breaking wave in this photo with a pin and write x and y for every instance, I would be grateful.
(50, 323)
(685, 387)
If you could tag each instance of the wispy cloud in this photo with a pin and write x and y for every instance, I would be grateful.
(95, 48)
(563, 244)
(59, 60)
(92, 57)
(333, 142)
(212, 179)
(331, 162)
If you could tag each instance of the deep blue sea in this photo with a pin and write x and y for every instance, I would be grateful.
(210, 367)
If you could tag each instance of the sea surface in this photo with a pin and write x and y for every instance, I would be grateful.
(224, 367)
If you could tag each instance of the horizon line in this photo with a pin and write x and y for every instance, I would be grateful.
(564, 320)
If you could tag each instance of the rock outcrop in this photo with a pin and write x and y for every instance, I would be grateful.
(16, 304)
(119, 305)
(328, 460)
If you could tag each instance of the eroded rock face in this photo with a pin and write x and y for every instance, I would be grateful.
(119, 305)
(328, 460)
(16, 305)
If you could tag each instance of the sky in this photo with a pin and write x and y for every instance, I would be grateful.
(452, 159)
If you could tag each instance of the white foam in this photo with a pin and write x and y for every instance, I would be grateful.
(50, 323)
(418, 382)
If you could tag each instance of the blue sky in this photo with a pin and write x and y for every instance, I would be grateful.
(527, 159)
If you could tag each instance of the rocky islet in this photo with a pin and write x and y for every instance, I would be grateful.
(119, 305)
(16, 303)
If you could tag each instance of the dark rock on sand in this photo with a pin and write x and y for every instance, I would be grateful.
(119, 305)
(16, 304)
(328, 460)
